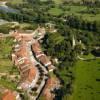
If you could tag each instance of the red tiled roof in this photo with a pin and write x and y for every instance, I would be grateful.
(51, 82)
(26, 37)
(26, 67)
(31, 74)
(22, 51)
(43, 59)
(8, 95)
(51, 67)
(36, 48)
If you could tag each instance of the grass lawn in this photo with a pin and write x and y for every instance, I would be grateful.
(8, 84)
(58, 1)
(55, 11)
(27, 26)
(77, 9)
(5, 63)
(91, 17)
(70, 9)
(85, 86)
(16, 1)
(89, 56)
(5, 49)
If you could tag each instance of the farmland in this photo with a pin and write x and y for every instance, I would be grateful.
(86, 85)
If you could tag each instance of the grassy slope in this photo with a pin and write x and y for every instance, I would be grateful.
(16, 1)
(8, 84)
(75, 10)
(5, 49)
(55, 11)
(5, 63)
(89, 56)
(86, 87)
(58, 1)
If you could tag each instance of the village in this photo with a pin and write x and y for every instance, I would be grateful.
(34, 66)
(49, 49)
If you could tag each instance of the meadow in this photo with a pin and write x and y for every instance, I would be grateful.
(76, 10)
(87, 80)
(6, 65)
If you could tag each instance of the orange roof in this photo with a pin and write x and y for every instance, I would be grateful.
(29, 74)
(8, 95)
(44, 59)
(51, 82)
(26, 61)
(26, 37)
(22, 52)
(32, 74)
(36, 47)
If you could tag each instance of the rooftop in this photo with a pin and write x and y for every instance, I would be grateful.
(8, 95)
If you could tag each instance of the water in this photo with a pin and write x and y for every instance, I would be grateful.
(4, 7)
(8, 9)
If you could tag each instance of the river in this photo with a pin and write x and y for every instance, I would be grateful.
(4, 7)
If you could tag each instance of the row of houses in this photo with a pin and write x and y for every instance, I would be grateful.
(27, 69)
(23, 58)
(31, 62)
(41, 57)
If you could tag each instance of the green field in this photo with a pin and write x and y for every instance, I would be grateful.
(6, 65)
(86, 16)
(56, 1)
(85, 86)
(89, 56)
(5, 49)
(16, 1)
(76, 10)
(8, 84)
(55, 11)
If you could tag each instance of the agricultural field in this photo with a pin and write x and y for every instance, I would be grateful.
(6, 65)
(56, 1)
(15, 2)
(89, 56)
(87, 80)
(76, 10)
(55, 11)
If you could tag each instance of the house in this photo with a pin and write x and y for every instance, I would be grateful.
(44, 60)
(36, 48)
(51, 84)
(28, 78)
(28, 71)
(8, 95)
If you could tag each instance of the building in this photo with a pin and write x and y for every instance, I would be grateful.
(41, 57)
(8, 95)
